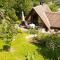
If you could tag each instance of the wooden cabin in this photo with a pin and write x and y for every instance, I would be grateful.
(43, 17)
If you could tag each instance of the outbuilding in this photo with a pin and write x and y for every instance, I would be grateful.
(43, 17)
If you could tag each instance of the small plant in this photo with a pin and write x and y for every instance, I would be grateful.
(6, 47)
(33, 31)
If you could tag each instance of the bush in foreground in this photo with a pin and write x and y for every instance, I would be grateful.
(50, 45)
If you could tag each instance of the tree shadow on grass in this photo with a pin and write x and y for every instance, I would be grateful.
(46, 52)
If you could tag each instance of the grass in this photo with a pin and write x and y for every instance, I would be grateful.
(21, 49)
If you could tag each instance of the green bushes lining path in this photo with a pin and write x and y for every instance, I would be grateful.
(21, 49)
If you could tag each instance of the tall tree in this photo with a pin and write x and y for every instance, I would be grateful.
(23, 5)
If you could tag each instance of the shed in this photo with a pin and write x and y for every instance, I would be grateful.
(42, 16)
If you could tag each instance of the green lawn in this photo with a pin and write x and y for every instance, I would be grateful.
(21, 49)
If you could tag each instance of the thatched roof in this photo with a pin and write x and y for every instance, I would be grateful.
(54, 19)
(41, 12)
(50, 19)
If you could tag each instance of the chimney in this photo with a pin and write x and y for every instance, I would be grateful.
(42, 2)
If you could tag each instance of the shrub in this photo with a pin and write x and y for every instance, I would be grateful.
(33, 31)
(7, 27)
(6, 47)
(11, 13)
(51, 48)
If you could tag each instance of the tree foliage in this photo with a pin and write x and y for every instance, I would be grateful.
(23, 5)
(53, 7)
(7, 27)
